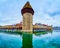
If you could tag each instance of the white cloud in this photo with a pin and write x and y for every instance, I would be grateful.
(46, 11)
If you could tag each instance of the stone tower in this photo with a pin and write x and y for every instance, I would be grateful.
(27, 13)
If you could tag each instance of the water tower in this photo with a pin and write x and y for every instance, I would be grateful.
(27, 13)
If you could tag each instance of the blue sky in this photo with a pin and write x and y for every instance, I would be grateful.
(46, 11)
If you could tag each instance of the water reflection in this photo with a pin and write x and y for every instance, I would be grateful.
(27, 40)
(30, 40)
(49, 40)
(41, 33)
(10, 40)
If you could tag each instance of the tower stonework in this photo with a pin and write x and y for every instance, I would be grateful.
(27, 13)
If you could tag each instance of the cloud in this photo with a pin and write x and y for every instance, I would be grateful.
(10, 13)
(54, 13)
(46, 11)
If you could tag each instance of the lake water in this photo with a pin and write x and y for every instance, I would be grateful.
(26, 40)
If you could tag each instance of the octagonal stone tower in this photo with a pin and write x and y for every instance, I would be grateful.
(27, 13)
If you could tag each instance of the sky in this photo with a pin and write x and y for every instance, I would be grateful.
(45, 11)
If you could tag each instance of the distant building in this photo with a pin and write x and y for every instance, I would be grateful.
(39, 26)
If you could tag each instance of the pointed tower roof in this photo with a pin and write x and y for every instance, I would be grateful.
(27, 5)
(27, 8)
